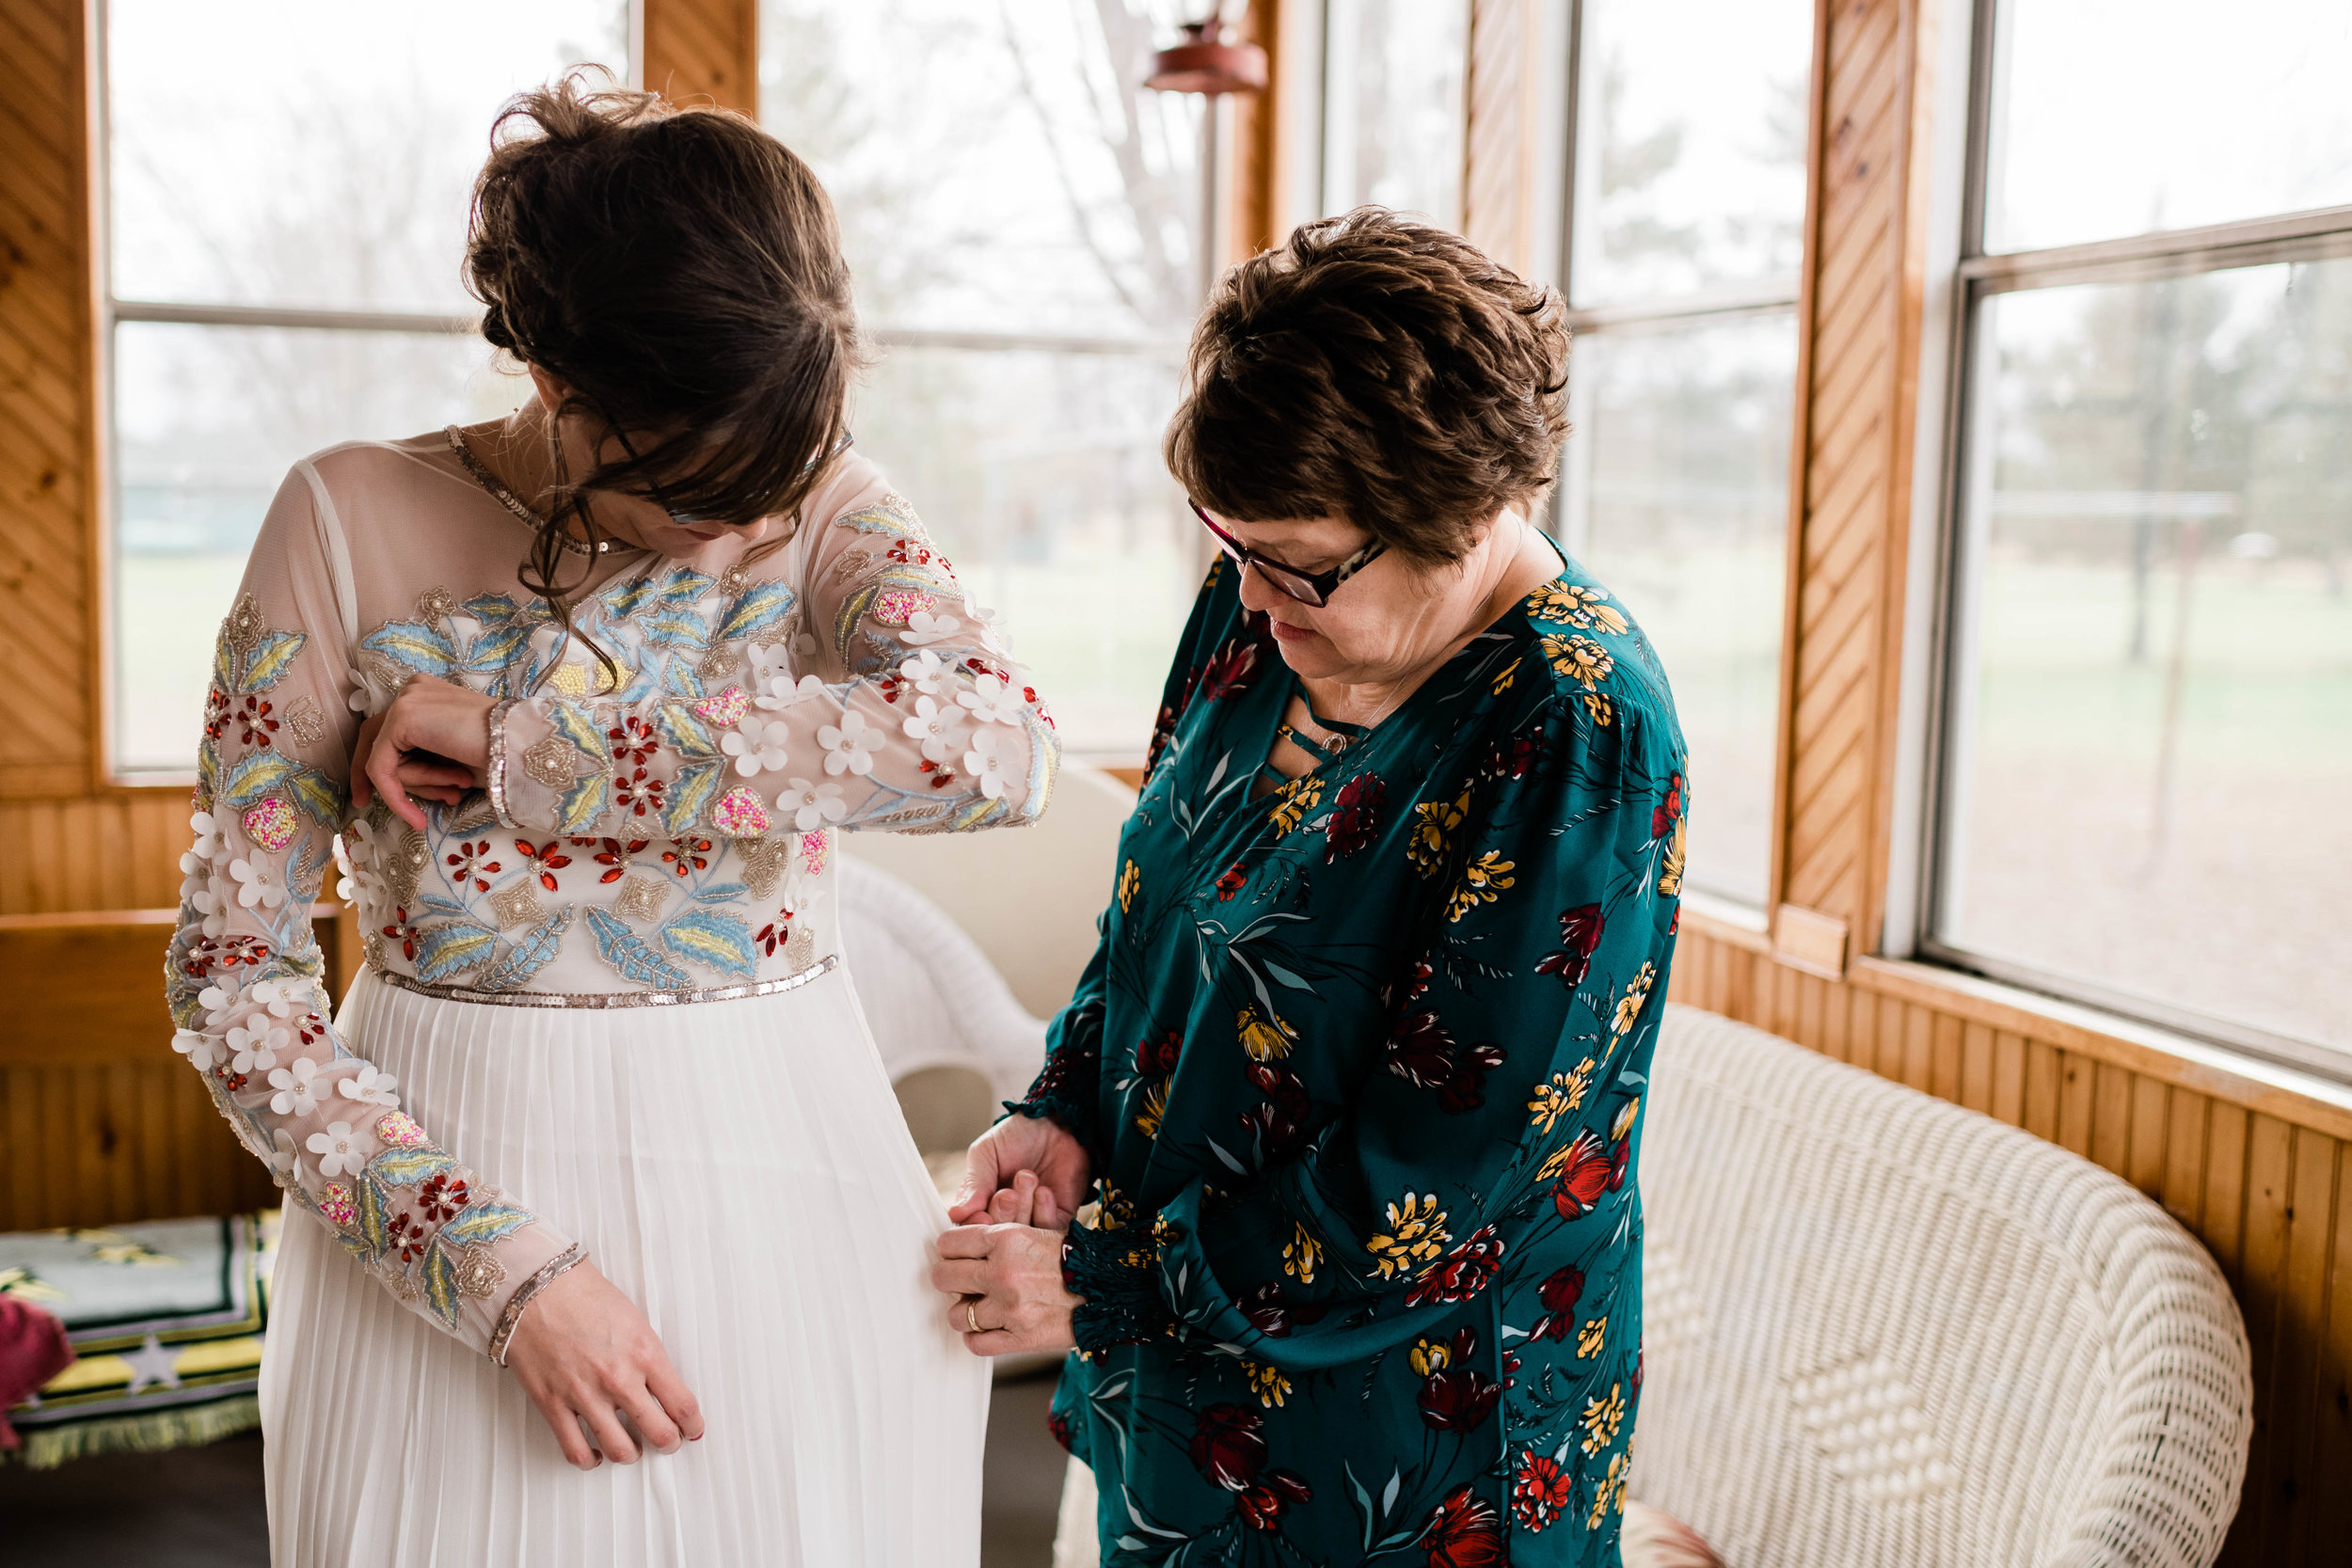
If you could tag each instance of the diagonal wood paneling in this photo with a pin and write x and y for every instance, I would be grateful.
(703, 49)
(1859, 320)
(47, 407)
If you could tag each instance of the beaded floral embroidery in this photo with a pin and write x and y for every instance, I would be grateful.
(271, 824)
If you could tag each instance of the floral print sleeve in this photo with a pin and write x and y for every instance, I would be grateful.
(1368, 1051)
(1505, 1091)
(244, 975)
(885, 701)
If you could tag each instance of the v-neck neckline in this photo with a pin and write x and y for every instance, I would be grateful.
(1368, 735)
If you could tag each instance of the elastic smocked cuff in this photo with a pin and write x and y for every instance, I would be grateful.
(1068, 1113)
(1117, 1274)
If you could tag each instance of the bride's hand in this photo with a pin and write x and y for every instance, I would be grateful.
(1006, 1276)
(433, 741)
(585, 1354)
(1019, 1143)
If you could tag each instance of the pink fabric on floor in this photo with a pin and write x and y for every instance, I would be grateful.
(32, 1350)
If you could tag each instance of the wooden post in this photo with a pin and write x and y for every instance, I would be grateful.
(701, 51)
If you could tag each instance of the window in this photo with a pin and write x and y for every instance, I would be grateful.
(1024, 221)
(283, 274)
(1394, 116)
(2147, 735)
(1685, 217)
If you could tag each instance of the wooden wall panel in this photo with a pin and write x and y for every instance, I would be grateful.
(47, 365)
(2263, 1188)
(100, 1123)
(1859, 320)
(703, 50)
(115, 850)
(1498, 203)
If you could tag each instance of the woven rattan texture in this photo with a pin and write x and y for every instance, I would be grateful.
(1890, 1330)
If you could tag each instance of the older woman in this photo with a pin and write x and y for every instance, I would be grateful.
(1358, 1064)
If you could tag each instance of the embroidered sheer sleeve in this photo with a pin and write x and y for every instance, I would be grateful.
(878, 697)
(243, 979)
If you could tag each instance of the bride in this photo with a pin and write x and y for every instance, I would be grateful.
(599, 1130)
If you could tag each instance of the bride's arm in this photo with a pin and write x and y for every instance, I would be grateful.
(243, 979)
(899, 709)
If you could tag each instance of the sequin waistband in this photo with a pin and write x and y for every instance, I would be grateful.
(612, 998)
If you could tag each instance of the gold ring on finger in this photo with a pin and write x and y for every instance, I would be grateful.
(971, 1313)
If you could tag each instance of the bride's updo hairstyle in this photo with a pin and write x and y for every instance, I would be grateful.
(680, 270)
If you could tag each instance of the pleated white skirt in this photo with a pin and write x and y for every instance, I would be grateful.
(741, 1171)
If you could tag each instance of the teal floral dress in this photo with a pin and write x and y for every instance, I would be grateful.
(1360, 1065)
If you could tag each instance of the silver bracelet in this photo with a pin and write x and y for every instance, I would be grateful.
(523, 1293)
(497, 759)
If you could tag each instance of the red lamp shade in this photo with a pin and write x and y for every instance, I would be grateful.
(1201, 65)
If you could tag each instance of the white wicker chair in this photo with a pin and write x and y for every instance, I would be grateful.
(1883, 1330)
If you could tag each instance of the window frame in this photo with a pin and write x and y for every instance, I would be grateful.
(110, 310)
(1974, 277)
(1566, 514)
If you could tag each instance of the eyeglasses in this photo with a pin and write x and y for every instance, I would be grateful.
(1308, 588)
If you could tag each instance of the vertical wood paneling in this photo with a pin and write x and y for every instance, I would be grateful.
(47, 413)
(2281, 1504)
(118, 850)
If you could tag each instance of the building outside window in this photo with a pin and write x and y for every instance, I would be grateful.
(281, 255)
(2146, 744)
(1685, 209)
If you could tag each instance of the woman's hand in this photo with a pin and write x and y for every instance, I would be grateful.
(1018, 1143)
(587, 1356)
(433, 741)
(1006, 1275)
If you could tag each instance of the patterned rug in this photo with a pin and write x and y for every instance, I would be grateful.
(165, 1319)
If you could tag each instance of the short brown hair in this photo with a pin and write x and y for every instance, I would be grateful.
(1379, 370)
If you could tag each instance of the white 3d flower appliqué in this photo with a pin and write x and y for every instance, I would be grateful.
(756, 744)
(255, 886)
(926, 626)
(256, 1043)
(297, 1089)
(928, 672)
(338, 1150)
(783, 691)
(200, 1050)
(771, 663)
(849, 746)
(940, 729)
(211, 843)
(992, 699)
(213, 907)
(369, 1086)
(987, 762)
(993, 635)
(810, 806)
(281, 997)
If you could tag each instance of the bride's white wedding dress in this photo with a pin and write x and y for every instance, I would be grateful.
(604, 1014)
